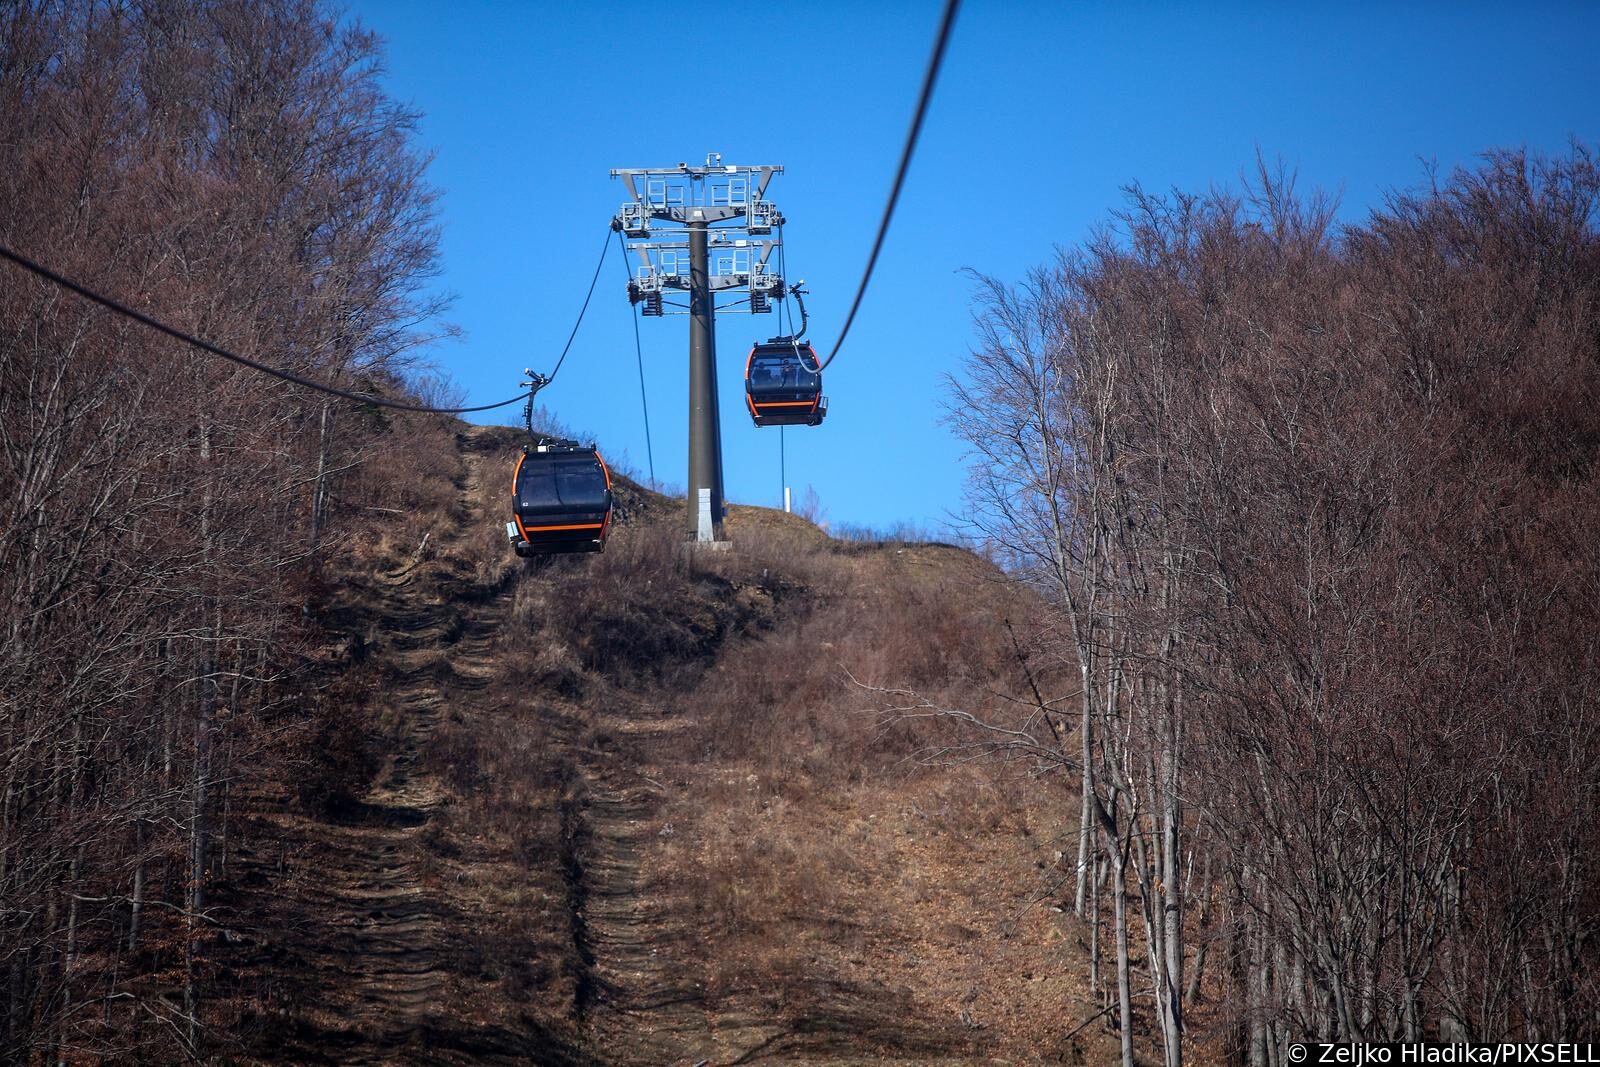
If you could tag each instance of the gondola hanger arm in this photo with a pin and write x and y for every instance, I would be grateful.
(533, 383)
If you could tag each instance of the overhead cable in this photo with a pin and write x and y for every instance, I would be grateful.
(946, 22)
(277, 372)
(638, 355)
(605, 247)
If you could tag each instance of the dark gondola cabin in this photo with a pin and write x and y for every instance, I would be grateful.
(561, 499)
(783, 385)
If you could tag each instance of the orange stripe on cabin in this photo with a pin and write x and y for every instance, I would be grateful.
(515, 473)
(580, 526)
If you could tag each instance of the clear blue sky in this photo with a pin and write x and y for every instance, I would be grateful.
(1044, 111)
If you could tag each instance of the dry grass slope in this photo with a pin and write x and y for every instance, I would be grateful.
(643, 808)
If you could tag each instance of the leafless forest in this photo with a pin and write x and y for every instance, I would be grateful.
(1301, 641)
(1316, 510)
(233, 167)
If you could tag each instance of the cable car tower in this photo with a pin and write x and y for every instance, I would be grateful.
(677, 219)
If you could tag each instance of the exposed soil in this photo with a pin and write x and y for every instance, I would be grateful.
(361, 966)
(557, 861)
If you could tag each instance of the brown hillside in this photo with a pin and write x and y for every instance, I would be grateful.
(645, 808)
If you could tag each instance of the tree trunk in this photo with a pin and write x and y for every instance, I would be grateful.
(1124, 978)
(319, 487)
(1086, 808)
(1094, 924)
(205, 709)
(136, 895)
(1191, 992)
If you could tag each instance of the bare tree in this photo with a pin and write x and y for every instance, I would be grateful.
(235, 168)
(1299, 496)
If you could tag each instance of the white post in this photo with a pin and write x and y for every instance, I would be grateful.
(786, 507)
(706, 531)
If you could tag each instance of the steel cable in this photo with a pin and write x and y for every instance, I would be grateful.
(946, 22)
(277, 372)
(605, 247)
(638, 355)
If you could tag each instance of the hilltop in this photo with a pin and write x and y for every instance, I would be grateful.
(648, 807)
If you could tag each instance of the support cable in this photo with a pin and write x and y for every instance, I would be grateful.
(783, 272)
(537, 381)
(638, 355)
(946, 22)
(783, 451)
(605, 247)
(794, 290)
(277, 372)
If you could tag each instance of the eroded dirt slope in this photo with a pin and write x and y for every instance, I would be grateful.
(650, 808)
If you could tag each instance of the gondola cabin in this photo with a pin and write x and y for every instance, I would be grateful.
(561, 499)
(783, 385)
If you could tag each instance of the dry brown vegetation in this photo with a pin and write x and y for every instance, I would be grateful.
(1278, 722)
(296, 765)
(1315, 508)
(168, 521)
(677, 827)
